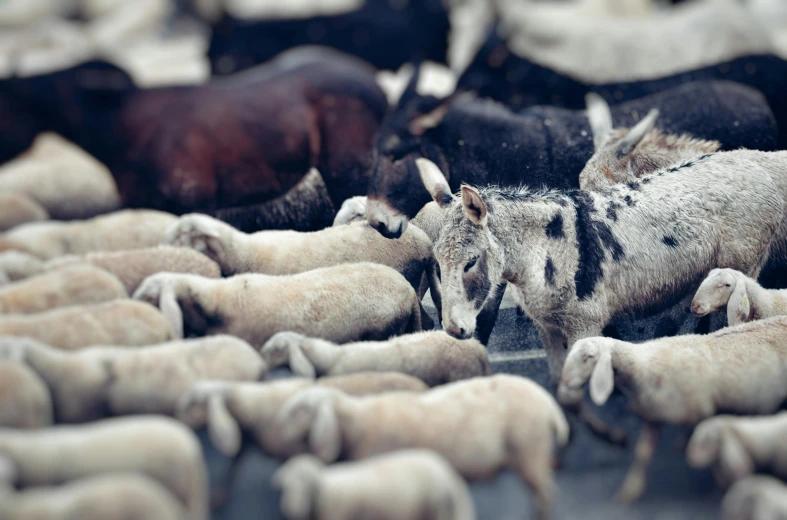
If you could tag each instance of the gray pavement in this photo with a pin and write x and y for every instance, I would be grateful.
(590, 470)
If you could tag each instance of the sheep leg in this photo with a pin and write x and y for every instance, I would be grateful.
(634, 483)
(535, 469)
(222, 491)
(599, 428)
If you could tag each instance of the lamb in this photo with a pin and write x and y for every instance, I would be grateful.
(755, 498)
(623, 154)
(746, 300)
(93, 382)
(24, 398)
(429, 219)
(64, 180)
(76, 285)
(105, 497)
(681, 380)
(16, 265)
(581, 258)
(134, 265)
(292, 252)
(736, 447)
(352, 210)
(127, 229)
(399, 486)
(344, 303)
(16, 209)
(157, 447)
(119, 322)
(480, 426)
(224, 407)
(434, 357)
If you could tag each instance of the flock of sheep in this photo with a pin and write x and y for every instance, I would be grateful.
(126, 326)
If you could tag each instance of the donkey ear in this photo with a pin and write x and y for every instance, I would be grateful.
(602, 380)
(600, 118)
(637, 133)
(325, 438)
(739, 307)
(434, 117)
(223, 429)
(474, 206)
(434, 182)
(735, 461)
(300, 365)
(168, 304)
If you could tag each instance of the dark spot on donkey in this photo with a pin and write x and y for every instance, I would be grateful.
(477, 283)
(549, 272)
(669, 241)
(555, 227)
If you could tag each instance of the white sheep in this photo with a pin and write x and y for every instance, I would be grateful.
(352, 210)
(225, 407)
(623, 154)
(681, 380)
(755, 498)
(606, 49)
(116, 496)
(16, 265)
(17, 209)
(480, 426)
(746, 300)
(344, 303)
(433, 356)
(127, 229)
(90, 383)
(67, 182)
(429, 219)
(134, 265)
(736, 447)
(76, 285)
(402, 485)
(292, 252)
(158, 447)
(24, 398)
(119, 322)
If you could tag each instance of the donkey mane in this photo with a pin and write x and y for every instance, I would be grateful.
(522, 193)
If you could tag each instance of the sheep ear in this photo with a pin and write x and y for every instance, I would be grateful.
(739, 307)
(735, 461)
(300, 364)
(637, 133)
(703, 446)
(168, 303)
(325, 438)
(223, 429)
(9, 472)
(474, 206)
(434, 182)
(602, 380)
(600, 118)
(294, 420)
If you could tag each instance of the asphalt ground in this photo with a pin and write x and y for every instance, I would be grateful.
(590, 470)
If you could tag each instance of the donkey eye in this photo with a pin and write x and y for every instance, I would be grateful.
(727, 285)
(470, 264)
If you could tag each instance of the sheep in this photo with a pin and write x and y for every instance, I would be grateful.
(225, 407)
(154, 446)
(755, 498)
(131, 267)
(292, 252)
(16, 265)
(63, 179)
(429, 219)
(398, 486)
(75, 285)
(480, 426)
(736, 447)
(117, 496)
(581, 258)
(352, 210)
(93, 382)
(119, 322)
(623, 154)
(127, 229)
(342, 303)
(746, 300)
(681, 380)
(24, 398)
(434, 357)
(16, 209)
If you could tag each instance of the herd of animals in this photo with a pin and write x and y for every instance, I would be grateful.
(195, 194)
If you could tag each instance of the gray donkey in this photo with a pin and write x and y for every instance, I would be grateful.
(579, 259)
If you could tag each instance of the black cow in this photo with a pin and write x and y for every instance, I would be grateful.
(386, 33)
